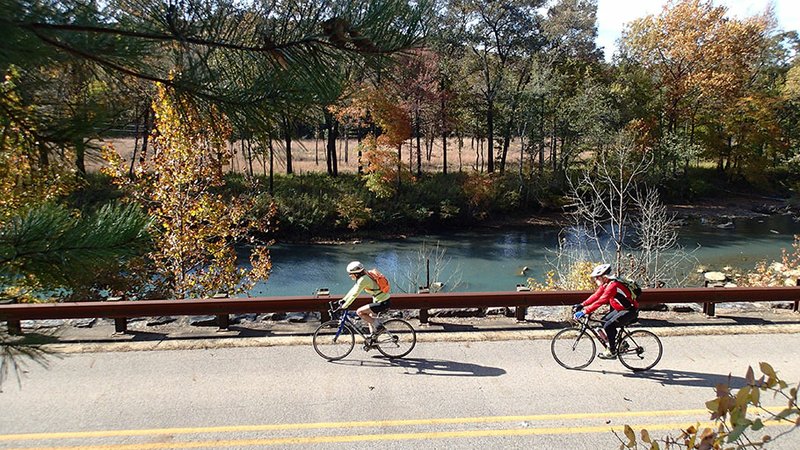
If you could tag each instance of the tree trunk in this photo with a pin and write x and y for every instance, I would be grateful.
(360, 152)
(399, 164)
(148, 128)
(541, 137)
(553, 144)
(506, 145)
(135, 147)
(419, 147)
(429, 147)
(288, 139)
(460, 152)
(80, 157)
(271, 167)
(490, 138)
(346, 143)
(250, 157)
(330, 154)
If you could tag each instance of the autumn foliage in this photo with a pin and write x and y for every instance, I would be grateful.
(198, 229)
(25, 179)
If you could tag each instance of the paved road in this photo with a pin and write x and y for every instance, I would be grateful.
(503, 394)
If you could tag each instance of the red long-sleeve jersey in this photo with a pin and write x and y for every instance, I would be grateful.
(613, 293)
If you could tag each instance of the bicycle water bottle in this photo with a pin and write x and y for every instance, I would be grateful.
(602, 334)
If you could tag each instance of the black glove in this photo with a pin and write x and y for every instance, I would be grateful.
(577, 307)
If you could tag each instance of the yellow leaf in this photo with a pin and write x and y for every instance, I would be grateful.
(767, 369)
(630, 435)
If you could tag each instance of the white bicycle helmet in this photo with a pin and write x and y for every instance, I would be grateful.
(602, 269)
(355, 267)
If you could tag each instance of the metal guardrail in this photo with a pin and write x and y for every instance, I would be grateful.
(120, 311)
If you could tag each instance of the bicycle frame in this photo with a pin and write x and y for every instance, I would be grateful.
(345, 321)
(586, 328)
(622, 332)
(637, 350)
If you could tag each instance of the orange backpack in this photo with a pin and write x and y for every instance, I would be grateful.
(383, 282)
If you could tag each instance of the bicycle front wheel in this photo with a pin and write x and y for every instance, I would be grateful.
(331, 343)
(639, 350)
(397, 339)
(573, 348)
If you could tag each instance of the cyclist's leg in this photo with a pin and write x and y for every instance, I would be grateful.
(370, 311)
(613, 321)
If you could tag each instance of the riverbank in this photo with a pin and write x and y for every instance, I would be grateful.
(718, 211)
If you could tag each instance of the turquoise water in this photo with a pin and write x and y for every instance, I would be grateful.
(485, 261)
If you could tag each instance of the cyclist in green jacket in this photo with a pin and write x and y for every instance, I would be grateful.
(364, 282)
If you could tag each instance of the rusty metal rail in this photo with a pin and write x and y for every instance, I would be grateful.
(222, 308)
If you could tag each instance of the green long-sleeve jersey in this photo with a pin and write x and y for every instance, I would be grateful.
(367, 284)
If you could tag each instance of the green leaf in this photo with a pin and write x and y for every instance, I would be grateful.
(757, 425)
(736, 433)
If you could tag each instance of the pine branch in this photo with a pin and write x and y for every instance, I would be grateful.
(51, 244)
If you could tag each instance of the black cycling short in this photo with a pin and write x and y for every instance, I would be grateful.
(378, 307)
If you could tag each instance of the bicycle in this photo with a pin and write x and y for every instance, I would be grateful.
(575, 348)
(335, 339)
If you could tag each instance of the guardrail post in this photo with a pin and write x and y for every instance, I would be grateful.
(15, 327)
(521, 312)
(223, 320)
(709, 308)
(324, 314)
(120, 325)
(796, 302)
(423, 313)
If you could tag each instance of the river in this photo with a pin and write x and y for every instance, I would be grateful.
(492, 260)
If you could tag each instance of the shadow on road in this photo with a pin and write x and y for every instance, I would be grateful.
(432, 367)
(440, 367)
(679, 377)
(684, 378)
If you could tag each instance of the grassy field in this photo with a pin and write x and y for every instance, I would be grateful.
(308, 155)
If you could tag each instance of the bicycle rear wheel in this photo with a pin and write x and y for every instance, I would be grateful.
(397, 339)
(573, 349)
(332, 344)
(639, 350)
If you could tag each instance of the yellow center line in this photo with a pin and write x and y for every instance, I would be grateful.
(365, 424)
(383, 437)
(358, 424)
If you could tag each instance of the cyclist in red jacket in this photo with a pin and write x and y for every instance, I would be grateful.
(623, 310)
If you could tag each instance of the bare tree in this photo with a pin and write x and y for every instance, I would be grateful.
(613, 221)
(430, 267)
(604, 194)
(660, 257)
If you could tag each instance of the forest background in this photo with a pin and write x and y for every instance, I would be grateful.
(146, 141)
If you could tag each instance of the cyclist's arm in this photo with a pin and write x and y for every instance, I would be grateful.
(592, 298)
(351, 296)
(601, 297)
